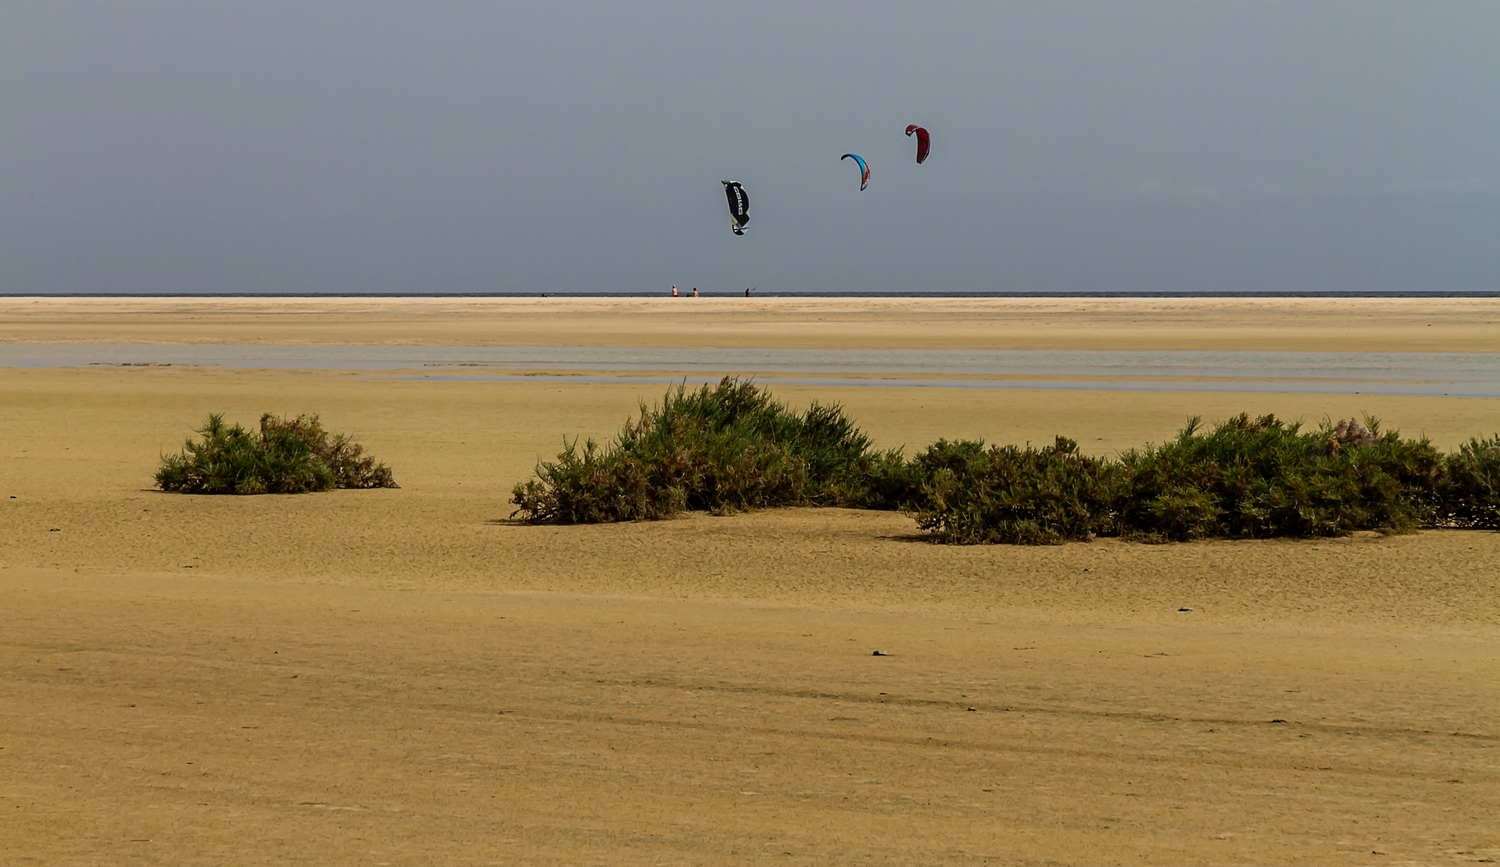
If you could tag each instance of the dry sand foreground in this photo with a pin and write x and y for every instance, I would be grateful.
(404, 677)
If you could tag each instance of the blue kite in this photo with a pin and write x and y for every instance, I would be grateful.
(864, 170)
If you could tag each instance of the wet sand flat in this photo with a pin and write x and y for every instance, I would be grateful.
(1436, 374)
(404, 676)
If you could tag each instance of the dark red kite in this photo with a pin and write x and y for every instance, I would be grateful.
(924, 141)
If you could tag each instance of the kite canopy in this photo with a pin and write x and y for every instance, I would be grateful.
(924, 141)
(864, 170)
(739, 206)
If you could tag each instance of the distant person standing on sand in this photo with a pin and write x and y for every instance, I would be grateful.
(747, 292)
(674, 291)
(695, 291)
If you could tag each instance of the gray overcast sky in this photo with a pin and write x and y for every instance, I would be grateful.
(565, 147)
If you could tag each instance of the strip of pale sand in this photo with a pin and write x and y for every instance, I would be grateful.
(1303, 324)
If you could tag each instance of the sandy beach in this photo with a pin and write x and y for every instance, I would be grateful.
(1318, 324)
(406, 676)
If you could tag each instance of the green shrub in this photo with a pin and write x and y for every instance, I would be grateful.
(1470, 490)
(1264, 477)
(286, 456)
(342, 455)
(732, 447)
(891, 483)
(590, 487)
(973, 495)
(1245, 478)
(721, 449)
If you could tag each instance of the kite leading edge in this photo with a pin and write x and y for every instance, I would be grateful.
(924, 141)
(864, 170)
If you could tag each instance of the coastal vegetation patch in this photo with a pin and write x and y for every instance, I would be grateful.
(733, 447)
(284, 456)
(720, 449)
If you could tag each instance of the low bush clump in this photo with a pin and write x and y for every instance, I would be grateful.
(1263, 477)
(721, 449)
(1470, 492)
(286, 456)
(732, 447)
(1244, 478)
(974, 495)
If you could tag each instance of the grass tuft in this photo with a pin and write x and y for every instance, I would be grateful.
(286, 456)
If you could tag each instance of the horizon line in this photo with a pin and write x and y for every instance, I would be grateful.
(1276, 293)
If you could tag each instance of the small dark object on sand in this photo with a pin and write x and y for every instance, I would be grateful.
(879, 653)
(1184, 609)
